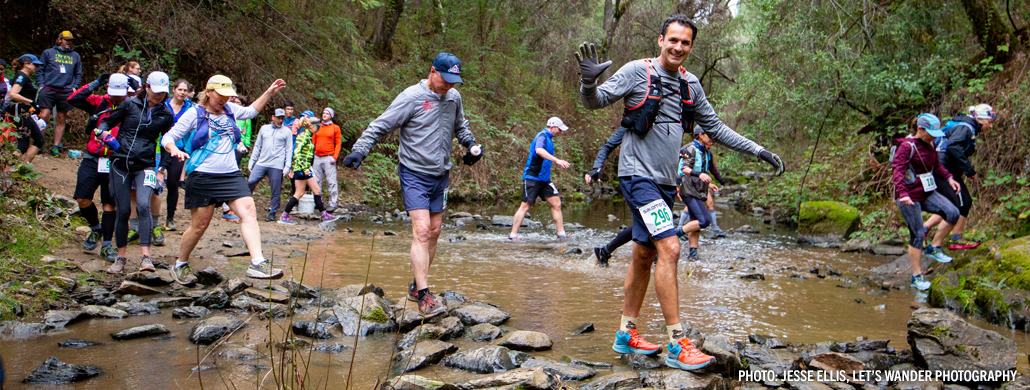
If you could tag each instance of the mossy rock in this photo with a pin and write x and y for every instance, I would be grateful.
(827, 221)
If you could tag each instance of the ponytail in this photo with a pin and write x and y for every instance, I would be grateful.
(125, 68)
(912, 127)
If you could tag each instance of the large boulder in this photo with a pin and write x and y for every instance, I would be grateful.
(215, 299)
(941, 340)
(137, 308)
(214, 328)
(21, 330)
(527, 340)
(60, 318)
(486, 360)
(424, 354)
(523, 378)
(370, 305)
(54, 371)
(375, 323)
(453, 328)
(315, 330)
(826, 222)
(190, 312)
(478, 313)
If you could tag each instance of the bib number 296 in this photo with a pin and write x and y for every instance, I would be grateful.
(657, 217)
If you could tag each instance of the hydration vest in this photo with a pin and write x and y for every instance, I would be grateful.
(199, 144)
(701, 160)
(640, 118)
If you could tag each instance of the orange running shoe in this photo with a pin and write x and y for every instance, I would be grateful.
(629, 341)
(685, 356)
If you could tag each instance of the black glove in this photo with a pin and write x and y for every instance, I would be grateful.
(589, 68)
(774, 160)
(103, 78)
(469, 159)
(353, 160)
(595, 174)
(133, 84)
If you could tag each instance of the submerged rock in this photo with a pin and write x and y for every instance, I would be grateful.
(214, 328)
(54, 371)
(240, 353)
(21, 330)
(331, 348)
(420, 333)
(76, 343)
(190, 312)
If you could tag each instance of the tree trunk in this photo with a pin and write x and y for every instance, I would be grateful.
(618, 11)
(988, 26)
(607, 14)
(382, 39)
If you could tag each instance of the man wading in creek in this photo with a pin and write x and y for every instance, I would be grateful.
(429, 115)
(662, 101)
(536, 177)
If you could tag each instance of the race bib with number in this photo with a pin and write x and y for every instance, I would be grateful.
(657, 217)
(104, 165)
(929, 184)
(150, 178)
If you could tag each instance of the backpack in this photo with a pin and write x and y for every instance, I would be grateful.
(910, 173)
(198, 142)
(640, 118)
(941, 143)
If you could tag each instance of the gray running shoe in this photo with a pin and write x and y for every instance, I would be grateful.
(91, 240)
(264, 271)
(146, 264)
(118, 266)
(184, 275)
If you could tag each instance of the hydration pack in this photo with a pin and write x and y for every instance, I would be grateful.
(95, 145)
(199, 144)
(910, 173)
(641, 118)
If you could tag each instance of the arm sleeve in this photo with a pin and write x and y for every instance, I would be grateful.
(616, 87)
(613, 142)
(688, 161)
(900, 165)
(256, 153)
(339, 142)
(81, 98)
(715, 171)
(957, 150)
(115, 118)
(704, 116)
(461, 127)
(395, 116)
(182, 126)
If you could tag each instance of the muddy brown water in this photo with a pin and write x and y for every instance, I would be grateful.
(543, 290)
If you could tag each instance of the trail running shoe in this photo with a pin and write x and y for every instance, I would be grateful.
(270, 217)
(146, 264)
(184, 275)
(133, 236)
(919, 283)
(935, 253)
(412, 292)
(108, 252)
(264, 271)
(118, 266)
(960, 245)
(629, 341)
(685, 356)
(326, 217)
(170, 225)
(720, 233)
(55, 152)
(512, 238)
(602, 255)
(159, 236)
(230, 216)
(91, 240)
(428, 305)
(693, 257)
(285, 219)
(562, 236)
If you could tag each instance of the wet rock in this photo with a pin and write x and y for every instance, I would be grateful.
(612, 218)
(415, 382)
(568, 226)
(389, 233)
(836, 361)
(54, 371)
(725, 351)
(236, 285)
(482, 332)
(265, 295)
(60, 318)
(753, 277)
(527, 340)
(807, 385)
(215, 299)
(638, 361)
(523, 378)
(134, 288)
(298, 290)
(888, 250)
(572, 251)
(776, 360)
(349, 322)
(271, 310)
(618, 381)
(857, 245)
(942, 340)
(158, 278)
(426, 353)
(508, 220)
(331, 348)
(585, 328)
(1022, 382)
(585, 363)
(746, 229)
(371, 288)
(477, 313)
(453, 328)
(487, 360)
(872, 345)
(328, 318)
(104, 312)
(411, 318)
(209, 276)
(878, 361)
(140, 331)
(21, 330)
(137, 308)
(564, 371)
(240, 353)
(419, 334)
(294, 344)
(452, 298)
(329, 226)
(163, 303)
(370, 305)
(76, 343)
(686, 380)
(214, 328)
(190, 312)
(315, 330)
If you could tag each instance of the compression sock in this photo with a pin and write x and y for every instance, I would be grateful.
(683, 219)
(628, 323)
(107, 222)
(714, 225)
(155, 220)
(956, 237)
(318, 203)
(290, 205)
(134, 224)
(90, 214)
(693, 252)
(675, 332)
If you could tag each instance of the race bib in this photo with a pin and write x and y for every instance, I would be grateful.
(929, 184)
(657, 217)
(104, 165)
(63, 70)
(150, 178)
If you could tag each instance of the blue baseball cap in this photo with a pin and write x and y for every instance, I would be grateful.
(931, 124)
(449, 67)
(30, 57)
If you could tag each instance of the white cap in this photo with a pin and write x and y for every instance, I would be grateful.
(982, 111)
(556, 122)
(158, 82)
(118, 85)
(139, 82)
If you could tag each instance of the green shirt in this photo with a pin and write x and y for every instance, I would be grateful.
(303, 152)
(244, 126)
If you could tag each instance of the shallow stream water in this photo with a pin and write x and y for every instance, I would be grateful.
(543, 290)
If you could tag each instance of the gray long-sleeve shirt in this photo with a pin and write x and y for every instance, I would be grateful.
(273, 148)
(428, 122)
(656, 155)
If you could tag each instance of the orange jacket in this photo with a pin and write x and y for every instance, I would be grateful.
(327, 140)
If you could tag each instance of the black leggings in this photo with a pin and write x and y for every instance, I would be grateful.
(620, 239)
(172, 182)
(29, 130)
(121, 184)
(962, 200)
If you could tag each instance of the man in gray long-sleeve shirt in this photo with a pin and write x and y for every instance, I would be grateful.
(647, 172)
(272, 156)
(429, 115)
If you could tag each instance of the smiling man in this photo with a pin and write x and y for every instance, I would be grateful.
(656, 116)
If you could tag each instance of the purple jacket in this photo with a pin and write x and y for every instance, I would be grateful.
(924, 159)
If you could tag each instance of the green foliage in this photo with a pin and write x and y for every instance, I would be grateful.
(25, 172)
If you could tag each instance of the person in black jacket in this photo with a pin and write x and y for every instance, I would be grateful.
(141, 121)
(954, 150)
